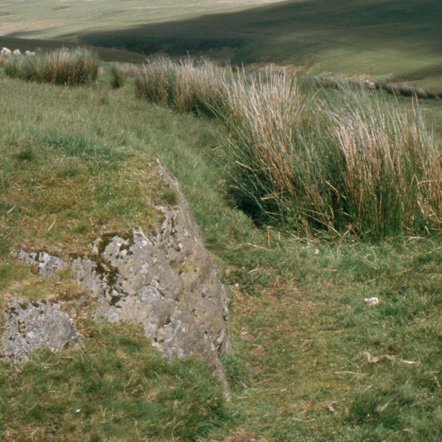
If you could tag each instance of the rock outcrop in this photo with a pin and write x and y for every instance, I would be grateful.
(33, 326)
(165, 281)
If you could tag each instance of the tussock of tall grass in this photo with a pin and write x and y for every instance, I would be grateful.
(390, 171)
(355, 163)
(63, 66)
(118, 76)
(264, 145)
(188, 85)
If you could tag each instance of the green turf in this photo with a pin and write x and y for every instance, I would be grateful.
(115, 388)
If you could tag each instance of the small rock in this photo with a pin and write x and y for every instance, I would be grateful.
(45, 263)
(31, 326)
(371, 302)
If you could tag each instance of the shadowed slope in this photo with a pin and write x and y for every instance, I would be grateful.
(350, 37)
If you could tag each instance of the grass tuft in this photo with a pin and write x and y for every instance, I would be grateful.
(355, 163)
(351, 162)
(189, 85)
(63, 67)
(387, 168)
(118, 77)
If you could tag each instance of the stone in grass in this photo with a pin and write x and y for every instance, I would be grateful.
(166, 282)
(45, 263)
(31, 326)
(372, 302)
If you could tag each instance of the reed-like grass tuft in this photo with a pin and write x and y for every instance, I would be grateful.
(351, 161)
(188, 85)
(117, 76)
(389, 177)
(63, 66)
(265, 118)
(357, 163)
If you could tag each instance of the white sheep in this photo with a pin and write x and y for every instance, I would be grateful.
(369, 84)
(5, 51)
(16, 52)
(30, 53)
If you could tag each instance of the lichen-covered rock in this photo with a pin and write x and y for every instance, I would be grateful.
(31, 326)
(165, 281)
(45, 263)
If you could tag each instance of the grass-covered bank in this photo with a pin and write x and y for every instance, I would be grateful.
(77, 162)
(299, 324)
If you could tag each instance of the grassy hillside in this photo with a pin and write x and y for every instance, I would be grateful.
(371, 37)
(53, 18)
(392, 39)
(312, 361)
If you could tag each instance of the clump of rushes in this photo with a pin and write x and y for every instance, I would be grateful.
(355, 164)
(63, 66)
(118, 77)
(387, 168)
(352, 162)
(263, 117)
(188, 85)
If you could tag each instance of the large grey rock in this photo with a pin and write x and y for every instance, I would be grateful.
(45, 264)
(164, 281)
(31, 326)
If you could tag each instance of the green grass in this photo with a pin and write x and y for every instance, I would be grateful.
(299, 324)
(46, 19)
(115, 388)
(304, 334)
(364, 37)
(66, 175)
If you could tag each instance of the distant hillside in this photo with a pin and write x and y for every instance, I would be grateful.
(392, 38)
(384, 38)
